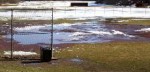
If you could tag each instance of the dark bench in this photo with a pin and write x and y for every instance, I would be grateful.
(79, 4)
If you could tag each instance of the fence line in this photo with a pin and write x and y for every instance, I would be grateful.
(12, 27)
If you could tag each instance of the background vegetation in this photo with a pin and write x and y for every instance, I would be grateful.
(9, 1)
(114, 2)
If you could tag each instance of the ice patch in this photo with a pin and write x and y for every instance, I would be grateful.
(27, 28)
(143, 30)
(78, 34)
(19, 53)
(115, 32)
(40, 27)
(63, 26)
(77, 38)
(111, 33)
(100, 32)
(84, 35)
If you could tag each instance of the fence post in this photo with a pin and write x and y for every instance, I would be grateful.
(52, 33)
(11, 33)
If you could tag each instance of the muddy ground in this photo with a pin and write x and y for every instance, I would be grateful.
(5, 29)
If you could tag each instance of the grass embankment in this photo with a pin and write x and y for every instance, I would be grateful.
(131, 21)
(104, 57)
(37, 22)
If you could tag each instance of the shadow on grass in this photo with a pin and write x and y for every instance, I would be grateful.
(23, 60)
(8, 60)
(31, 61)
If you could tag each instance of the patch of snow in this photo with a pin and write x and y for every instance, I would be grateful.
(46, 26)
(82, 13)
(77, 60)
(100, 32)
(123, 21)
(62, 26)
(143, 30)
(20, 53)
(115, 32)
(111, 33)
(43, 3)
(47, 4)
(77, 38)
(27, 28)
(78, 34)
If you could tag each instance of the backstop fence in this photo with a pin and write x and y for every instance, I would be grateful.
(24, 31)
(20, 32)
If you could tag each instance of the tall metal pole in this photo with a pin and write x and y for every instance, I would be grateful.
(11, 33)
(52, 33)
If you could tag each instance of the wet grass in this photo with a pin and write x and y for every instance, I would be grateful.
(111, 57)
(15, 66)
(38, 22)
(59, 21)
(131, 21)
(103, 57)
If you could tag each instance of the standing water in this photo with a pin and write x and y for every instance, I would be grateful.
(84, 32)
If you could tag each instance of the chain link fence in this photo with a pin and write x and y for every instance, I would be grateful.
(19, 32)
(23, 31)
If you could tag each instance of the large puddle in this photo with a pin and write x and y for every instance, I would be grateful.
(84, 32)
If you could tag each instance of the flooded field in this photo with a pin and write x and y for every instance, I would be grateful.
(97, 38)
(83, 32)
(72, 25)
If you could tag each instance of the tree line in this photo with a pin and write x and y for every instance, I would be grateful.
(113, 2)
(123, 2)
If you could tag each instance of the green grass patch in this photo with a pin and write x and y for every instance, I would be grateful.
(37, 22)
(15, 66)
(131, 21)
(111, 57)
(100, 57)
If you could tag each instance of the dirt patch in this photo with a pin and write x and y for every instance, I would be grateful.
(129, 21)
(143, 34)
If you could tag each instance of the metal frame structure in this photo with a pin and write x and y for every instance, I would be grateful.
(11, 26)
